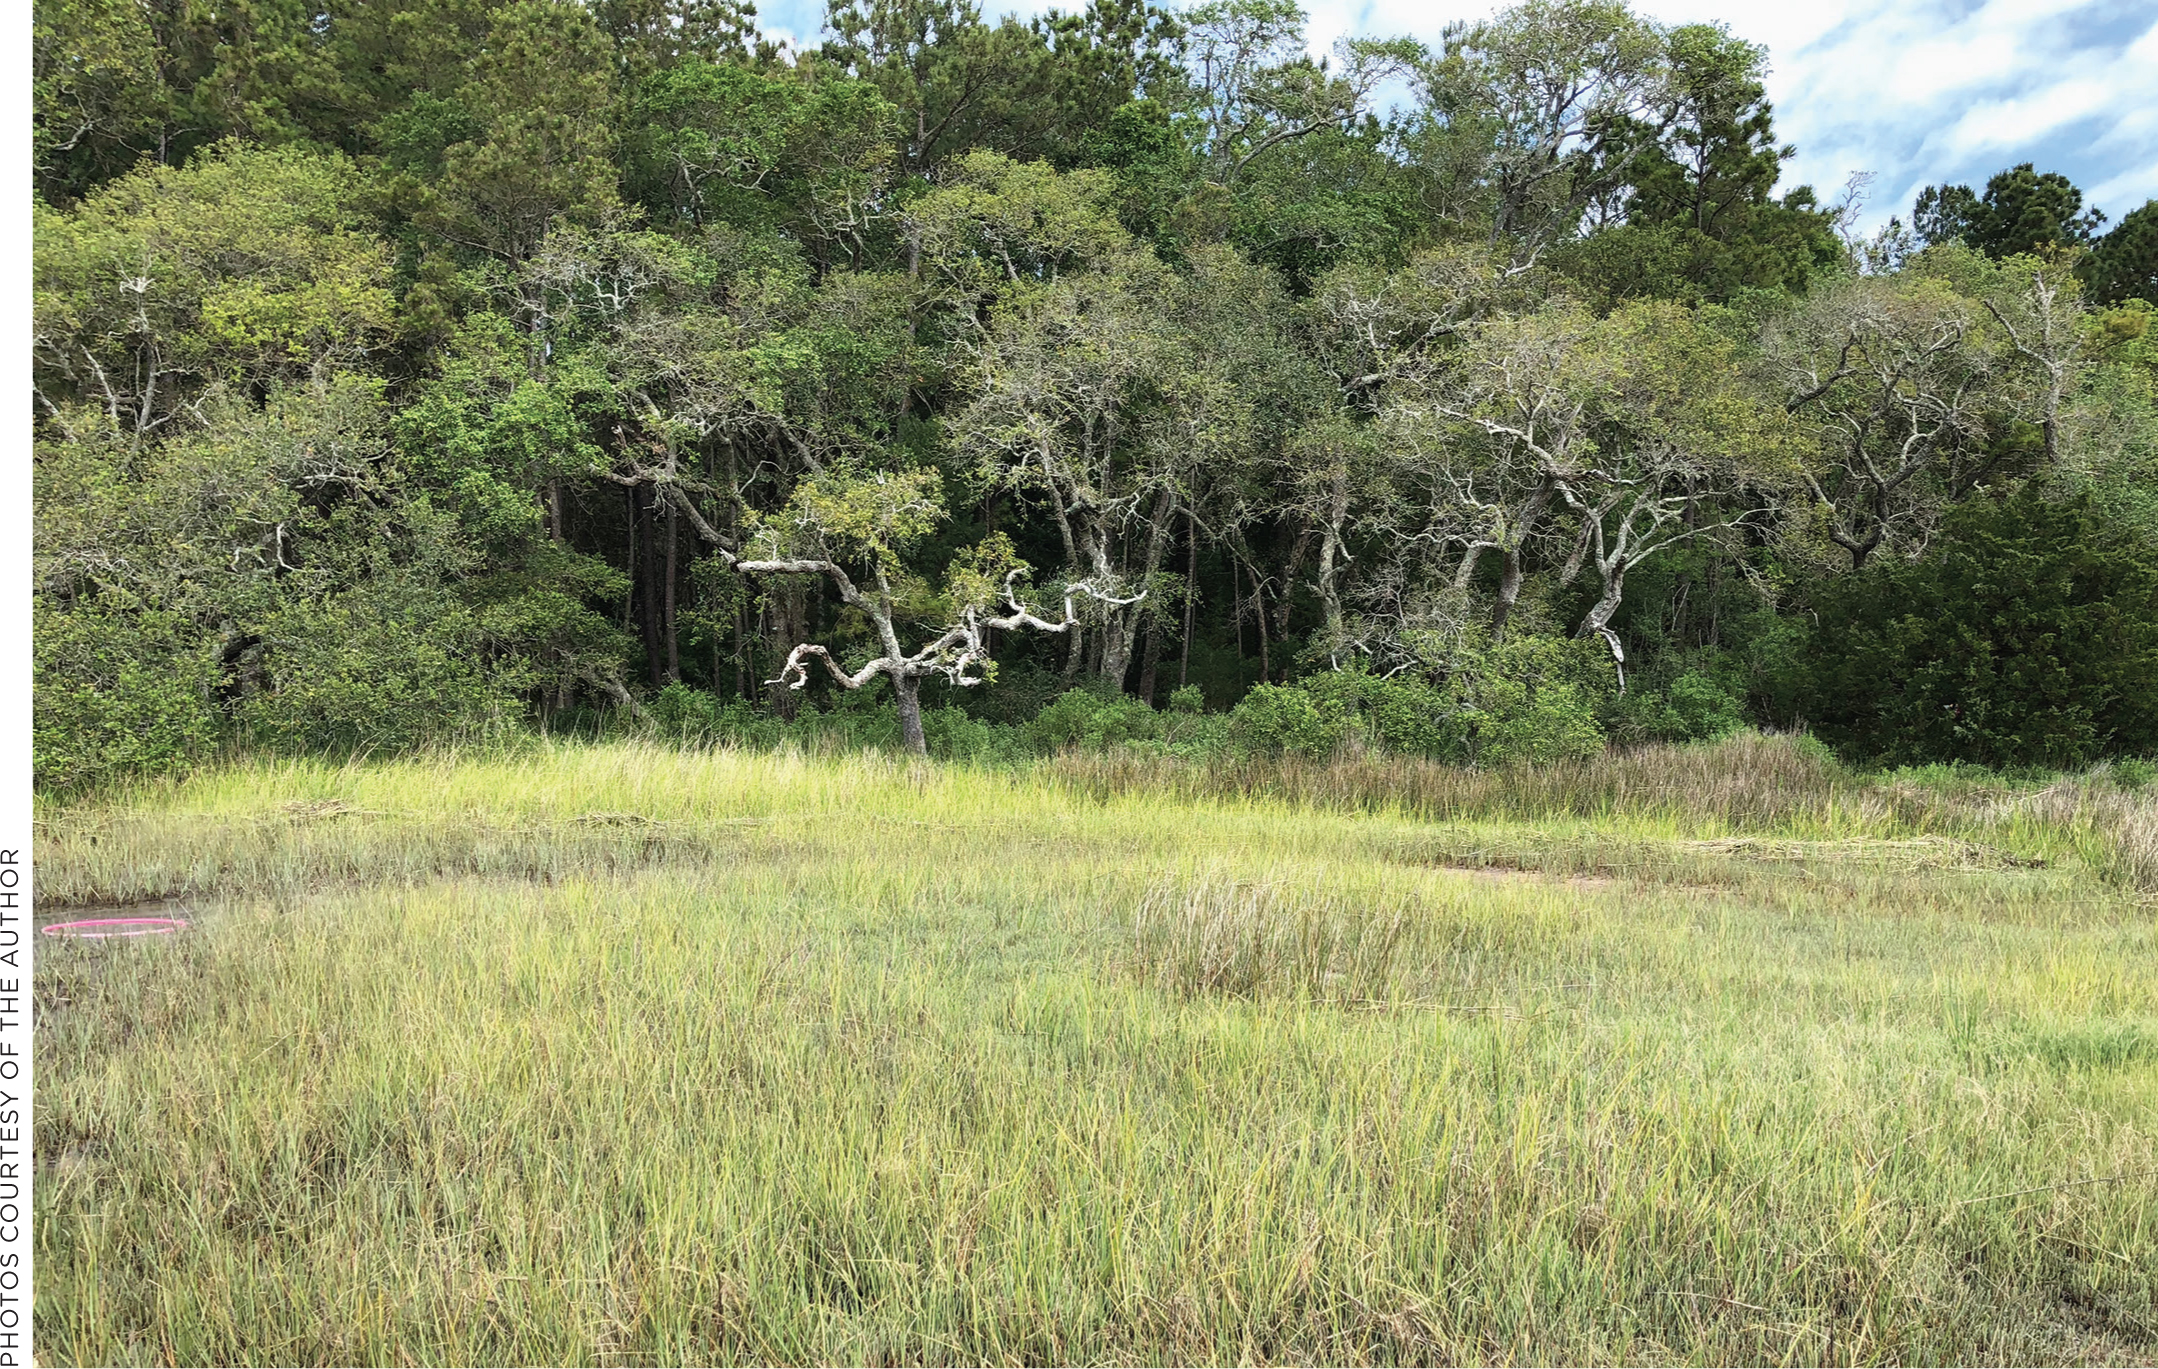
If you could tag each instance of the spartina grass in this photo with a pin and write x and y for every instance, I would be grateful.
(627, 1055)
(1746, 782)
(2119, 826)
(1246, 938)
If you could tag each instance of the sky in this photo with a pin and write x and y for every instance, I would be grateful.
(1913, 91)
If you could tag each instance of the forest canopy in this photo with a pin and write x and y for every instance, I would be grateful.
(413, 371)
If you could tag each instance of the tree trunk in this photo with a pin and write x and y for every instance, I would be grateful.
(1191, 596)
(745, 646)
(1330, 592)
(651, 606)
(667, 623)
(787, 623)
(1115, 647)
(629, 560)
(1297, 552)
(1149, 662)
(1236, 611)
(1120, 622)
(907, 689)
(1512, 573)
(1599, 617)
(1509, 590)
(1258, 605)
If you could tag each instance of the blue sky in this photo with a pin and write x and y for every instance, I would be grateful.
(1914, 91)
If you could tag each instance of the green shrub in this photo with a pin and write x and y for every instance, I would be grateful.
(1412, 717)
(689, 714)
(1524, 723)
(1525, 700)
(1696, 706)
(1022, 690)
(1403, 714)
(378, 673)
(1536, 699)
(954, 734)
(1274, 720)
(2133, 773)
(1092, 719)
(2028, 636)
(1706, 710)
(118, 694)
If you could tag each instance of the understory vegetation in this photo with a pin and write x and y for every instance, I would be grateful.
(438, 371)
(621, 1053)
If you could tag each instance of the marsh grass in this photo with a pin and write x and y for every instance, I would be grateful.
(1222, 935)
(625, 1055)
(2122, 822)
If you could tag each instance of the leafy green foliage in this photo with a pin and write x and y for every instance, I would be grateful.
(2021, 211)
(541, 95)
(1701, 222)
(2123, 265)
(501, 337)
(1695, 706)
(1088, 718)
(119, 693)
(246, 268)
(1275, 720)
(379, 670)
(2028, 637)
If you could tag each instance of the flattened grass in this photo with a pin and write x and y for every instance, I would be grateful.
(621, 1055)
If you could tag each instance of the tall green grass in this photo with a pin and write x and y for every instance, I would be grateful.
(625, 1055)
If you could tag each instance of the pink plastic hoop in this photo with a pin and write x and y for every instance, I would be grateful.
(100, 928)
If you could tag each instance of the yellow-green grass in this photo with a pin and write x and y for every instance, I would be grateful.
(627, 1055)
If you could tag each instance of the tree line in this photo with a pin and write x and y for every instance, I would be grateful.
(407, 370)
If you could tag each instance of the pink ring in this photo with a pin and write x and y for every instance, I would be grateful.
(99, 928)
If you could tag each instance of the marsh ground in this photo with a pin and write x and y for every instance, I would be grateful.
(623, 1055)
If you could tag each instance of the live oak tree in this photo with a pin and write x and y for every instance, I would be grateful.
(854, 531)
(1064, 386)
(1550, 103)
(1623, 436)
(245, 269)
(1496, 431)
(1688, 448)
(1892, 378)
(1378, 338)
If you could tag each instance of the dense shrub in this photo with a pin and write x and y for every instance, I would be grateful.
(1275, 720)
(349, 677)
(1526, 700)
(1091, 718)
(2027, 636)
(1412, 717)
(1403, 714)
(695, 715)
(1696, 706)
(117, 694)
(1534, 699)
